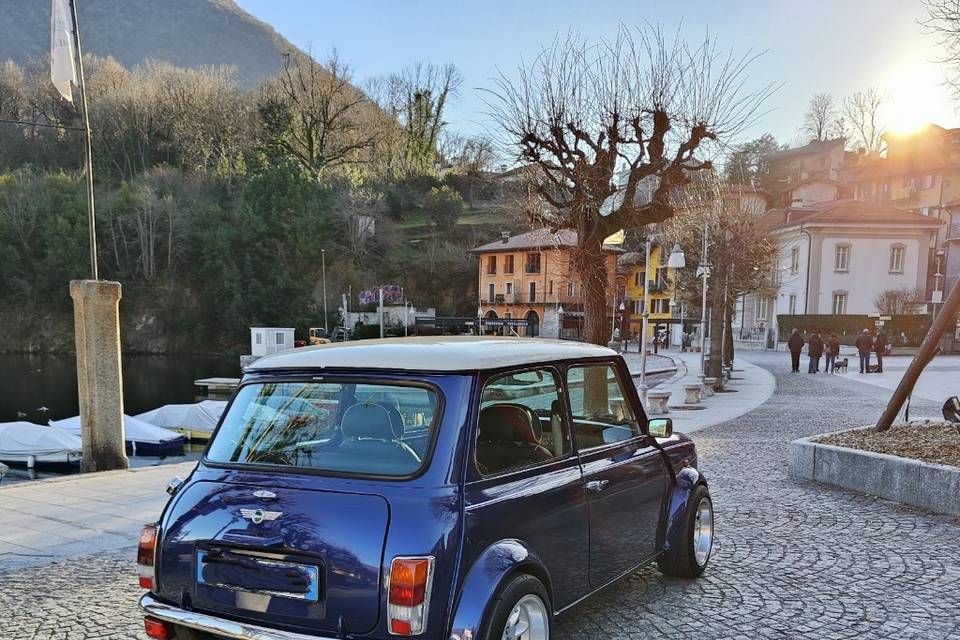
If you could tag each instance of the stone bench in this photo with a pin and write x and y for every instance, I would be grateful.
(693, 393)
(657, 402)
(708, 385)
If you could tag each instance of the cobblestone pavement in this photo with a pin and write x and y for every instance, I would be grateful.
(793, 561)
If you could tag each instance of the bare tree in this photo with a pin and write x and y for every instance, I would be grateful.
(860, 113)
(943, 22)
(597, 120)
(313, 113)
(822, 120)
(416, 98)
(900, 301)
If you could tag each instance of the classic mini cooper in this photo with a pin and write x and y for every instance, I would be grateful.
(447, 488)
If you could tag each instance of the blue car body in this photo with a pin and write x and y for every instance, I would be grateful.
(543, 520)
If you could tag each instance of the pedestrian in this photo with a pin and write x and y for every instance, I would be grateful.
(832, 350)
(879, 348)
(864, 343)
(814, 350)
(795, 344)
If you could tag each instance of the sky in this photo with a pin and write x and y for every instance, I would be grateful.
(808, 46)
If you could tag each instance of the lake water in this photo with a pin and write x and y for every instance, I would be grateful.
(30, 383)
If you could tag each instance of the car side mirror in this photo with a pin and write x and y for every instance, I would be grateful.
(660, 427)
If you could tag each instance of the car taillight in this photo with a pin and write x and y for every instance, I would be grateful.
(155, 629)
(145, 556)
(409, 595)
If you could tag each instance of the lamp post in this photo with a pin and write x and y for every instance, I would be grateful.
(560, 321)
(703, 271)
(323, 270)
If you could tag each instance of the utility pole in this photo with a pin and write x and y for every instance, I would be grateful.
(380, 312)
(323, 269)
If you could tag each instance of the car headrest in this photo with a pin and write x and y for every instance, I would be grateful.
(509, 423)
(368, 420)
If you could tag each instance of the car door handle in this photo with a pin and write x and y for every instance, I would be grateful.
(596, 485)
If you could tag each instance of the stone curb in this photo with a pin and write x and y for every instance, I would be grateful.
(73, 477)
(933, 487)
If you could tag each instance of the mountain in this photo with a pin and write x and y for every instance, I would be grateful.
(187, 33)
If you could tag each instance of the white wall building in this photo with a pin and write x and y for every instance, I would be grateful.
(835, 258)
(267, 340)
(392, 315)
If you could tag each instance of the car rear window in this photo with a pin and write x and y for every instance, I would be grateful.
(340, 427)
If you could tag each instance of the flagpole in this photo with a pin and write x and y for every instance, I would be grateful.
(91, 209)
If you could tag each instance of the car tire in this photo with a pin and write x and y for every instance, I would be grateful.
(690, 556)
(521, 603)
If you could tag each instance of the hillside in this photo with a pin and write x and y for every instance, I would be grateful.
(188, 33)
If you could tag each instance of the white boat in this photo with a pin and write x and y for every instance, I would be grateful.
(142, 438)
(197, 421)
(26, 442)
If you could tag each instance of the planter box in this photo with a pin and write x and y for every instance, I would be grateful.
(920, 484)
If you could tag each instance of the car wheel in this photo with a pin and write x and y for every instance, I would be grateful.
(689, 557)
(520, 612)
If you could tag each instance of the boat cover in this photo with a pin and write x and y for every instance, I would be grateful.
(200, 416)
(21, 439)
(134, 430)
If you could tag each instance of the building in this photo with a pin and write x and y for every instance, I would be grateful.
(267, 340)
(835, 258)
(528, 284)
(633, 272)
(396, 315)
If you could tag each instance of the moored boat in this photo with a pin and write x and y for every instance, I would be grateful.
(196, 420)
(142, 438)
(37, 445)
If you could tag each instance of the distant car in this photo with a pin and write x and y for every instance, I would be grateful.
(441, 487)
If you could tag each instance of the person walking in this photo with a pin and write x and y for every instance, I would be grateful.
(879, 348)
(795, 344)
(864, 343)
(815, 350)
(832, 350)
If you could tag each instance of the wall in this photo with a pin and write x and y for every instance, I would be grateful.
(868, 273)
(815, 192)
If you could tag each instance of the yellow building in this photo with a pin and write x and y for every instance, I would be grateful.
(631, 269)
(528, 286)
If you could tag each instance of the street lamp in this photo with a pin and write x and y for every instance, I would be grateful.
(703, 271)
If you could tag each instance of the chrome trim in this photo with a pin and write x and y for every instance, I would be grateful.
(217, 626)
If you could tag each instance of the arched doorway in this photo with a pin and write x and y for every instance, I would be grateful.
(533, 323)
(491, 330)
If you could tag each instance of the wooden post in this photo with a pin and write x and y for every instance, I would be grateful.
(928, 349)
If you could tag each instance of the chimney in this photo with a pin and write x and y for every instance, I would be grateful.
(504, 237)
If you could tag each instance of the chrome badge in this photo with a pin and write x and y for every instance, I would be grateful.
(256, 516)
(263, 494)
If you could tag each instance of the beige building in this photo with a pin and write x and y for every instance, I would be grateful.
(528, 284)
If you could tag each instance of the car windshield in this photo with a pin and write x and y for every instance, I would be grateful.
(341, 427)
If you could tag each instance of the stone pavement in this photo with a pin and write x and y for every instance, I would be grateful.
(940, 379)
(794, 560)
(47, 520)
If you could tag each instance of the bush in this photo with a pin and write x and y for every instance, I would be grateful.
(914, 327)
(443, 207)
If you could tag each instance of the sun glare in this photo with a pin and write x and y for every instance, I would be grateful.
(914, 96)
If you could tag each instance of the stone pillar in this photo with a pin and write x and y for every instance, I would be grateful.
(96, 320)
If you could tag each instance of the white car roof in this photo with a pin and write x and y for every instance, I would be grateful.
(431, 353)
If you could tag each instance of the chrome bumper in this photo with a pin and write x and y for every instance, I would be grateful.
(217, 626)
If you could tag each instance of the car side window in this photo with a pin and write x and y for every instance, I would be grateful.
(520, 422)
(599, 406)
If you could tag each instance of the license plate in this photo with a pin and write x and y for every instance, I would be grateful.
(252, 574)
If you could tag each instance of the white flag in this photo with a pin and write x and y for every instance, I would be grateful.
(62, 70)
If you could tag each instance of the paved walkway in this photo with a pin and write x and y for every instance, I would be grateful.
(940, 379)
(749, 388)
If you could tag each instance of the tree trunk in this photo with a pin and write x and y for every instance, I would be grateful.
(946, 317)
(716, 318)
(590, 266)
(728, 350)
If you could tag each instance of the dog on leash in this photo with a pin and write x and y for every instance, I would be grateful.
(840, 366)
